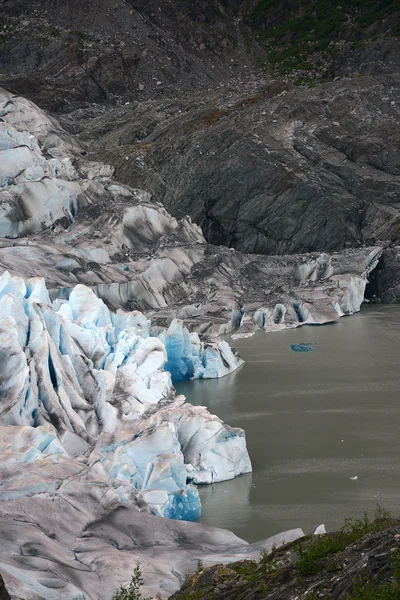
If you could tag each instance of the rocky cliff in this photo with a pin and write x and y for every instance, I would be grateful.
(4, 595)
(273, 168)
(264, 162)
(359, 562)
(65, 54)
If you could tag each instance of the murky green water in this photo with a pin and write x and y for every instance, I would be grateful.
(313, 420)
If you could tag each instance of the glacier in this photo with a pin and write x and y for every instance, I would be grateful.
(107, 301)
(98, 380)
(65, 217)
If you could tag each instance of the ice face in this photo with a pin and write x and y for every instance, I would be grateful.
(190, 358)
(80, 381)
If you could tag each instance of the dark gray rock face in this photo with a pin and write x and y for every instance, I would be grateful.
(4, 595)
(73, 224)
(63, 54)
(384, 285)
(169, 93)
(272, 169)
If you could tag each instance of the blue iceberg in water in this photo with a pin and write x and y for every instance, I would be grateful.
(303, 347)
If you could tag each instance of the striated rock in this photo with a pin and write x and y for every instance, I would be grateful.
(271, 167)
(64, 55)
(173, 96)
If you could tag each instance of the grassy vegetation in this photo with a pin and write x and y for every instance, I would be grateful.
(9, 26)
(320, 552)
(296, 30)
(253, 571)
(84, 37)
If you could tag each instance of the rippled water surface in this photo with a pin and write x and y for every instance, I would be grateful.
(313, 420)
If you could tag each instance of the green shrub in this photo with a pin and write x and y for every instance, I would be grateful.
(315, 556)
(295, 30)
(132, 591)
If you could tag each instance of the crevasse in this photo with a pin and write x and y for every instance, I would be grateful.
(82, 383)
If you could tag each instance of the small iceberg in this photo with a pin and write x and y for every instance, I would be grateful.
(320, 530)
(303, 347)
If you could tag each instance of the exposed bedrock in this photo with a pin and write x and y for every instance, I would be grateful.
(271, 168)
(63, 54)
(4, 595)
(384, 284)
(171, 94)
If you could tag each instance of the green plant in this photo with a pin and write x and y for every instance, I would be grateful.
(371, 591)
(296, 32)
(196, 595)
(248, 569)
(317, 554)
(132, 591)
(81, 35)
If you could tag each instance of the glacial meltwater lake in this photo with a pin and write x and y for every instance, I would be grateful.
(313, 420)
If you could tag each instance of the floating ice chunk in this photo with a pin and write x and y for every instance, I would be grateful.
(320, 530)
(303, 347)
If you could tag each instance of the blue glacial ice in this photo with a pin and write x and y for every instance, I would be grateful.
(81, 383)
(303, 347)
(190, 358)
